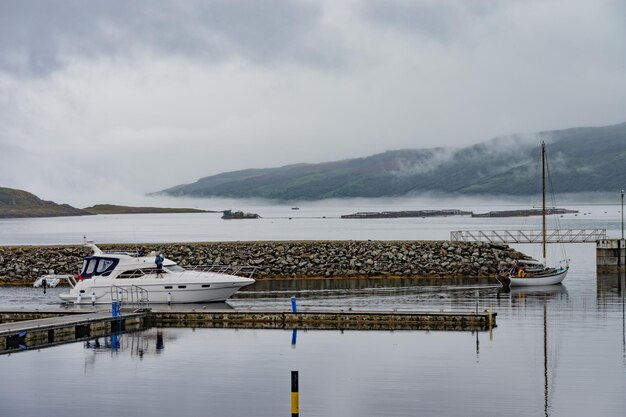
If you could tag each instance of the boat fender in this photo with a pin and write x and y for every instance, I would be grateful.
(521, 273)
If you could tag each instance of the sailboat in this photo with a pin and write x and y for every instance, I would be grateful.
(530, 272)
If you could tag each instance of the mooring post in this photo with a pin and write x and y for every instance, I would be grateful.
(477, 301)
(294, 307)
(295, 403)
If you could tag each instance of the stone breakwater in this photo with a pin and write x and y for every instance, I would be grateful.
(285, 259)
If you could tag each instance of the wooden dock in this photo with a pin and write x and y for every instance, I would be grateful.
(21, 330)
(53, 328)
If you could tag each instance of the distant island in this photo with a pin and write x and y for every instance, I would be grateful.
(113, 209)
(16, 203)
(581, 160)
(19, 203)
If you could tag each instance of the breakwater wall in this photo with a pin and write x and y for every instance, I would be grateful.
(20, 265)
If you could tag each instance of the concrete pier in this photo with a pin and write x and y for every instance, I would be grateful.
(611, 255)
(39, 329)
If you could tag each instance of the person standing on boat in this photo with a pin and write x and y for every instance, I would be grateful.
(159, 265)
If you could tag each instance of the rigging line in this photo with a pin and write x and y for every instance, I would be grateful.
(535, 190)
(553, 199)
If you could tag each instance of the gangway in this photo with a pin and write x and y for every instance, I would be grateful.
(529, 236)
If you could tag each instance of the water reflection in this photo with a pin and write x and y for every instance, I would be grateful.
(611, 293)
(610, 289)
(137, 344)
(533, 294)
(546, 394)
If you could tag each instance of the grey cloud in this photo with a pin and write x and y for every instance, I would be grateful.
(38, 37)
(435, 19)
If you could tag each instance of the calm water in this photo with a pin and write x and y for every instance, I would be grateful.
(556, 351)
(313, 221)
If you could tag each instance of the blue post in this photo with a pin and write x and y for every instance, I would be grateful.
(294, 307)
(294, 335)
(115, 309)
(115, 342)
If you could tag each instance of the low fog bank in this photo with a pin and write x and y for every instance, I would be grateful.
(429, 201)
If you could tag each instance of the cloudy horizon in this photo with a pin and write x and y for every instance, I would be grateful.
(101, 100)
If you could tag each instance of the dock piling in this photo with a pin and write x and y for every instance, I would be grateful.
(610, 255)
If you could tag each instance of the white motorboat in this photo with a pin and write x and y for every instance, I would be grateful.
(530, 272)
(132, 277)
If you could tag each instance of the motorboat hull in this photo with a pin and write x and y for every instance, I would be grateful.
(158, 291)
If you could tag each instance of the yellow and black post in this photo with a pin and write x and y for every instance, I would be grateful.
(295, 403)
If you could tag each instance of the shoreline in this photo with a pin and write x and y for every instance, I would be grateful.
(284, 260)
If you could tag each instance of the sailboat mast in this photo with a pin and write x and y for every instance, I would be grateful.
(543, 191)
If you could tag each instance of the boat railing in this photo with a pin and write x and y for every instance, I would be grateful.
(52, 280)
(119, 294)
(245, 271)
(134, 295)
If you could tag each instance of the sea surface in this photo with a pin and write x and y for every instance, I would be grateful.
(556, 351)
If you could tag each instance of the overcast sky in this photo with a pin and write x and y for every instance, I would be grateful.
(102, 99)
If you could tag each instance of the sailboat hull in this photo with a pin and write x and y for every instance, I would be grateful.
(551, 279)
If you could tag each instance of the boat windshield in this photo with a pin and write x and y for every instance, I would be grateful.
(95, 266)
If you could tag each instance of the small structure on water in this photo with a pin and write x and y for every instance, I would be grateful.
(525, 213)
(397, 214)
(229, 215)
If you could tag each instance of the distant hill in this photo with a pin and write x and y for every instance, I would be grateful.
(113, 209)
(19, 203)
(581, 160)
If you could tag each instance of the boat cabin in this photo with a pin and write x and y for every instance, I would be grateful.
(122, 266)
(530, 265)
